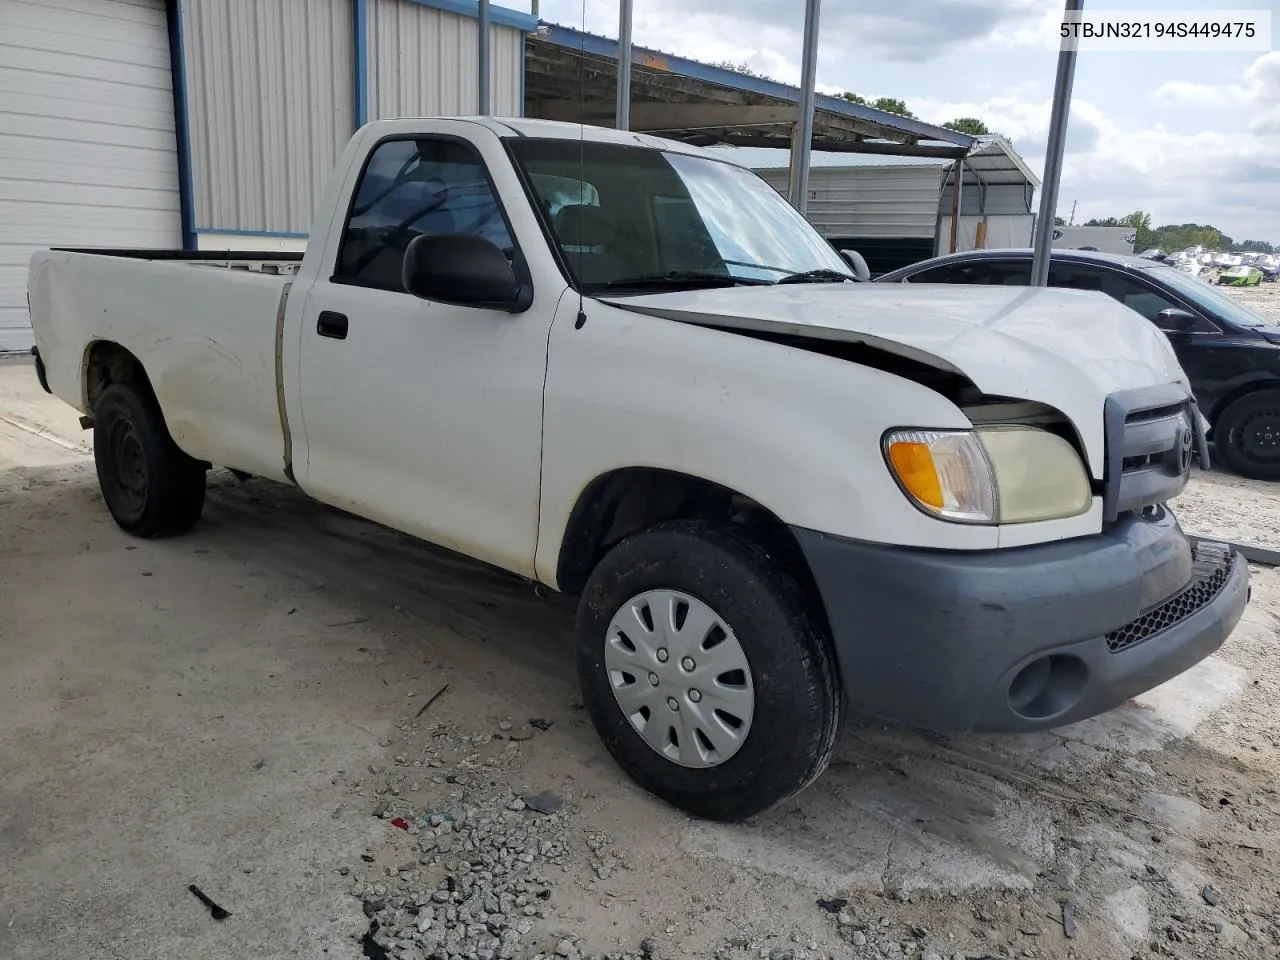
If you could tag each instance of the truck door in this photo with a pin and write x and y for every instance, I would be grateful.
(424, 416)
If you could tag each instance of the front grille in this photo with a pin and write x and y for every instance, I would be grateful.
(1152, 436)
(1174, 610)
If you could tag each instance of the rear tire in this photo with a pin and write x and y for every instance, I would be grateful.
(151, 487)
(750, 636)
(1247, 434)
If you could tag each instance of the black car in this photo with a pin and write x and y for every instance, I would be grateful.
(1230, 354)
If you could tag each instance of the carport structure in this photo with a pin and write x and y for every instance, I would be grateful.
(572, 76)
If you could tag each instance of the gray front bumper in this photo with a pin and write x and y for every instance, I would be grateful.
(1024, 638)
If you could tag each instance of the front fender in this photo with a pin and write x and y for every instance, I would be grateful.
(796, 431)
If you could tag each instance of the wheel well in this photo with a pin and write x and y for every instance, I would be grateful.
(629, 500)
(107, 363)
(1241, 391)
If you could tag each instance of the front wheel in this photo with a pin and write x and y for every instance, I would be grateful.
(707, 670)
(1247, 434)
(151, 487)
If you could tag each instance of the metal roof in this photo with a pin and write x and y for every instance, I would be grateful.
(992, 159)
(701, 104)
(777, 158)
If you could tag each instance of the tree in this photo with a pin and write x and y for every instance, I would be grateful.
(1140, 221)
(1182, 235)
(970, 125)
(1178, 236)
(887, 104)
(890, 105)
(743, 68)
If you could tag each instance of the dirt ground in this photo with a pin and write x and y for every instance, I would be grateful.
(231, 708)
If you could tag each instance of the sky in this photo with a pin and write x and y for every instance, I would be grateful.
(1188, 137)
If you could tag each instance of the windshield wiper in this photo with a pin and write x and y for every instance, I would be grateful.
(682, 278)
(816, 276)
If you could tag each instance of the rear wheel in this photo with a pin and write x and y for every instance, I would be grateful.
(1247, 434)
(151, 487)
(707, 670)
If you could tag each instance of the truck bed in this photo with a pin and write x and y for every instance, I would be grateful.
(207, 338)
(260, 261)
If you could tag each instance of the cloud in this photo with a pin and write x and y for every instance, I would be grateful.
(758, 30)
(1201, 94)
(1257, 94)
(1263, 77)
(1226, 178)
(1025, 122)
(921, 30)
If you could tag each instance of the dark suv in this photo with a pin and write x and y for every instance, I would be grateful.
(1230, 354)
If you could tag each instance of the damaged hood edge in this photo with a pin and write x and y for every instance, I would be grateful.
(1064, 348)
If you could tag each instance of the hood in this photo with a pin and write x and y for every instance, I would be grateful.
(1066, 348)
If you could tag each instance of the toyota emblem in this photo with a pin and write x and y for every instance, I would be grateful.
(1185, 441)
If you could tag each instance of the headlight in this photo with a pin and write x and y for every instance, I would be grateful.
(994, 474)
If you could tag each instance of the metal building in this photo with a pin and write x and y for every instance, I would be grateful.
(211, 123)
(898, 210)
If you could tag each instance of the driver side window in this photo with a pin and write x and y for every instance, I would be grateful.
(411, 188)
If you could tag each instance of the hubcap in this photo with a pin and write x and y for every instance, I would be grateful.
(680, 677)
(129, 471)
(1259, 436)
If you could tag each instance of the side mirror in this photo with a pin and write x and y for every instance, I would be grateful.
(855, 260)
(465, 270)
(1175, 320)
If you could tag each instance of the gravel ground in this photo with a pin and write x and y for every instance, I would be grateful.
(1264, 298)
(379, 752)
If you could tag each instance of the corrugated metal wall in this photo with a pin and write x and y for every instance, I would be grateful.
(870, 201)
(271, 101)
(995, 199)
(423, 63)
(86, 137)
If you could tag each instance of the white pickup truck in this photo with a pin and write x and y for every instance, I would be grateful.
(627, 369)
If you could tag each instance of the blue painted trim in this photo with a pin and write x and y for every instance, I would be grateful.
(499, 16)
(252, 233)
(606, 47)
(362, 62)
(181, 124)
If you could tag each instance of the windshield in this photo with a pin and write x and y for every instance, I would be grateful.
(634, 216)
(1197, 291)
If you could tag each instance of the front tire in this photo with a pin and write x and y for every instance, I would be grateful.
(150, 486)
(1247, 434)
(746, 705)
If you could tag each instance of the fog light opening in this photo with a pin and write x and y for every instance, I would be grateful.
(1047, 687)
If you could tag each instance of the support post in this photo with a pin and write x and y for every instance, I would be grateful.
(955, 204)
(802, 141)
(362, 62)
(482, 87)
(1058, 119)
(622, 117)
(181, 126)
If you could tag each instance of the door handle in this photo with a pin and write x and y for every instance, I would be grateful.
(330, 324)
